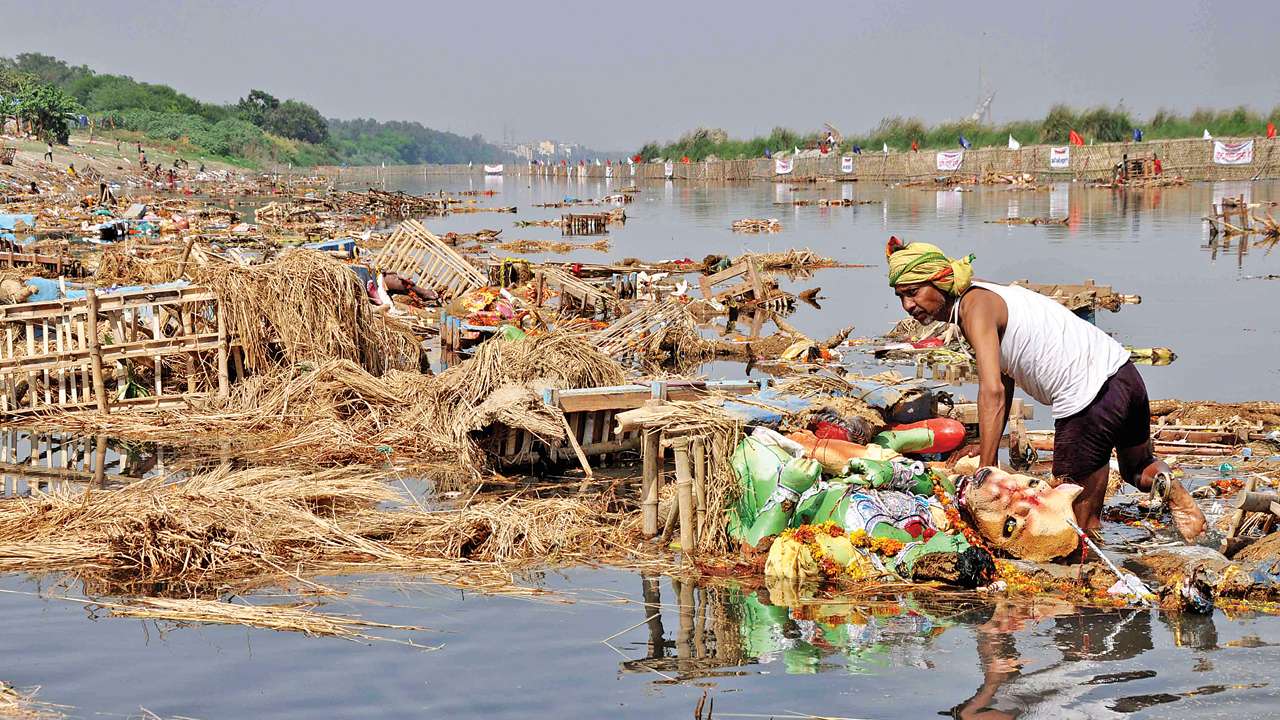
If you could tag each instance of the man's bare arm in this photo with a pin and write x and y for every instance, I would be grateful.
(979, 325)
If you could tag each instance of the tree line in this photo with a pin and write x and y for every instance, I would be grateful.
(48, 95)
(1098, 124)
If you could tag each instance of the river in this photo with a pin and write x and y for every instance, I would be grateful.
(611, 643)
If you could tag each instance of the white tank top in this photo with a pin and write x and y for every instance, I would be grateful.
(1053, 355)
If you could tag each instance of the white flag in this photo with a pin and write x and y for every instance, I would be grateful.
(886, 148)
(797, 151)
(1207, 136)
(1014, 144)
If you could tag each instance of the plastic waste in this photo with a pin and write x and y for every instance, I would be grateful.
(1225, 469)
(935, 435)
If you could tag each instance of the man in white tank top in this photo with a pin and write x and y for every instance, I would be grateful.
(1021, 337)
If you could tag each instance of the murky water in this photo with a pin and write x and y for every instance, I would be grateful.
(628, 646)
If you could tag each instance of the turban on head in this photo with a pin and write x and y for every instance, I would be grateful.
(921, 262)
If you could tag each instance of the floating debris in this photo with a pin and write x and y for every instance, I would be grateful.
(1028, 221)
(757, 225)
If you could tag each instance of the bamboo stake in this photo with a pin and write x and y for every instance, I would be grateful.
(651, 455)
(224, 381)
(700, 481)
(684, 495)
(95, 350)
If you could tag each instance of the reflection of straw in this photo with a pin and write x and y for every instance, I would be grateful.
(1141, 591)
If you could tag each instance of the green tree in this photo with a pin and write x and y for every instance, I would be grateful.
(47, 109)
(257, 107)
(299, 121)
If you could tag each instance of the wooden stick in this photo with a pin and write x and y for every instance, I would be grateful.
(577, 450)
(224, 380)
(95, 351)
(700, 481)
(650, 453)
(684, 496)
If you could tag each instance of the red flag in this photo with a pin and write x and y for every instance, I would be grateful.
(1075, 138)
(1271, 130)
(685, 159)
(637, 158)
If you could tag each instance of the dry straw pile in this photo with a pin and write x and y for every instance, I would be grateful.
(207, 534)
(305, 306)
(336, 412)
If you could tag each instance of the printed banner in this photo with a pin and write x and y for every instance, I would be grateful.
(668, 169)
(608, 171)
(846, 164)
(492, 169)
(1060, 157)
(783, 167)
(1238, 153)
(633, 169)
(950, 159)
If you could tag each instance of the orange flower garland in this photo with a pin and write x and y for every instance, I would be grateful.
(953, 514)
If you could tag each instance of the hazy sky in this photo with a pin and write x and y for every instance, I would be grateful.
(613, 75)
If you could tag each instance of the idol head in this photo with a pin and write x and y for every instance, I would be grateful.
(1023, 516)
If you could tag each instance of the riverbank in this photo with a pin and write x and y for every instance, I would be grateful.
(1191, 159)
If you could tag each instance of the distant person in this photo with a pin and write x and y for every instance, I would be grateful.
(1156, 166)
(34, 190)
(915, 146)
(48, 152)
(117, 146)
(71, 169)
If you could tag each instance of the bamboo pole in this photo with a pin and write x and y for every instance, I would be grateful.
(95, 351)
(224, 380)
(700, 481)
(651, 456)
(684, 495)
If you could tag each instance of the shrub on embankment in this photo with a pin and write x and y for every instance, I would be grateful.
(1098, 124)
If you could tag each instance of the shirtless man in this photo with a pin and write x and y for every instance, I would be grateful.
(1021, 337)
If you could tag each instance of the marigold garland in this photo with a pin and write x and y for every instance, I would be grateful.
(953, 514)
(808, 535)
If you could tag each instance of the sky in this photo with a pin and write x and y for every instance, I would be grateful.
(614, 75)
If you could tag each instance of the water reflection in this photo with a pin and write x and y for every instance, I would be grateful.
(43, 460)
(1035, 658)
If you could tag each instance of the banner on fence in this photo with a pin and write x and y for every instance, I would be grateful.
(608, 171)
(950, 159)
(782, 167)
(1238, 153)
(668, 169)
(846, 164)
(1060, 157)
(492, 169)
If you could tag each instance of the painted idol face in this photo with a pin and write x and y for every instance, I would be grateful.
(1022, 515)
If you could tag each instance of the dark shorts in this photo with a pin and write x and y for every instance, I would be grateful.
(1119, 417)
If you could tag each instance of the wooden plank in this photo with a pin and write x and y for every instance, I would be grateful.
(144, 348)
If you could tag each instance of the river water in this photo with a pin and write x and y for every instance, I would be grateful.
(608, 642)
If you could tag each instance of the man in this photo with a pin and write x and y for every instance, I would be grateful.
(48, 153)
(1018, 336)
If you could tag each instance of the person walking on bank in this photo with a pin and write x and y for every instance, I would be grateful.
(48, 151)
(1021, 337)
